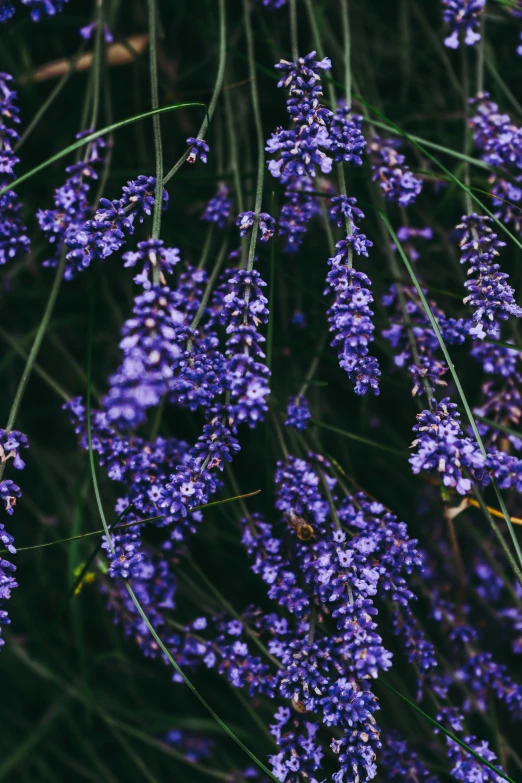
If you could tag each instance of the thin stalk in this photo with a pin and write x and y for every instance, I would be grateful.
(217, 88)
(259, 134)
(210, 285)
(51, 98)
(480, 55)
(97, 63)
(293, 30)
(206, 247)
(271, 297)
(158, 149)
(31, 359)
(345, 20)
(36, 367)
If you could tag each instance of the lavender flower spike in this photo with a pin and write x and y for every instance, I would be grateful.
(489, 292)
(441, 447)
(13, 240)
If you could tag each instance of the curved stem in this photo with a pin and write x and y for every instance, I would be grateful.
(29, 365)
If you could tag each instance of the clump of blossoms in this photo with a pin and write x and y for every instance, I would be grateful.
(246, 375)
(501, 395)
(10, 445)
(112, 224)
(62, 224)
(392, 173)
(500, 142)
(440, 446)
(489, 292)
(463, 18)
(298, 413)
(14, 242)
(198, 149)
(350, 315)
(218, 208)
(327, 676)
(266, 224)
(319, 138)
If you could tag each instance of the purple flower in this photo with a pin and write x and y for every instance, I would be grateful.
(300, 148)
(7, 580)
(298, 413)
(245, 376)
(7, 10)
(152, 254)
(126, 558)
(392, 173)
(350, 315)
(218, 208)
(10, 444)
(245, 221)
(440, 447)
(198, 148)
(489, 293)
(112, 224)
(463, 18)
(14, 242)
(88, 31)
(428, 367)
(62, 224)
(272, 4)
(9, 493)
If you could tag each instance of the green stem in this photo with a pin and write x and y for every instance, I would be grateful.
(210, 284)
(293, 30)
(29, 365)
(158, 150)
(217, 88)
(259, 135)
(51, 98)
(96, 65)
(345, 19)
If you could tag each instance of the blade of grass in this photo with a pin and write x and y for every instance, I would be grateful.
(96, 135)
(449, 734)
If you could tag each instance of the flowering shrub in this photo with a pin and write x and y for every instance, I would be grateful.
(261, 355)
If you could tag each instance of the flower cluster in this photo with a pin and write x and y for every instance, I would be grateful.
(489, 293)
(392, 173)
(440, 447)
(463, 18)
(62, 224)
(399, 763)
(112, 224)
(350, 315)
(298, 413)
(10, 444)
(218, 208)
(500, 142)
(266, 224)
(14, 242)
(246, 376)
